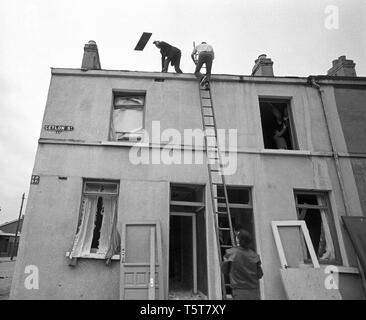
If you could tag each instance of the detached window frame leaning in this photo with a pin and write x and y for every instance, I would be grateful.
(97, 235)
(127, 120)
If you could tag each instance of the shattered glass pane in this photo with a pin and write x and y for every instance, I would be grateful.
(318, 224)
(129, 101)
(95, 187)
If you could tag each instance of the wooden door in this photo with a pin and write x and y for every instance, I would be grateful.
(141, 261)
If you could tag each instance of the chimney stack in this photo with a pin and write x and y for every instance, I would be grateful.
(263, 67)
(343, 68)
(91, 57)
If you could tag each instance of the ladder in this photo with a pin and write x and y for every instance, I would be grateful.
(222, 217)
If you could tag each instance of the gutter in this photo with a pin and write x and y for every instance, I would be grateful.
(314, 84)
(335, 156)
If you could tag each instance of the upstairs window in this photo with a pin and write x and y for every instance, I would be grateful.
(128, 117)
(314, 209)
(277, 125)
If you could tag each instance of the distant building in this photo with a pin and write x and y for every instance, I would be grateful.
(7, 237)
(86, 184)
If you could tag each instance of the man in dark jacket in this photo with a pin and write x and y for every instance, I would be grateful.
(169, 54)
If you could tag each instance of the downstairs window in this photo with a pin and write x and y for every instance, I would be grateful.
(314, 209)
(97, 233)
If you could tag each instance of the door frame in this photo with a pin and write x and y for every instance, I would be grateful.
(194, 244)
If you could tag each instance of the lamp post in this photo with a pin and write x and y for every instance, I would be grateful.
(16, 233)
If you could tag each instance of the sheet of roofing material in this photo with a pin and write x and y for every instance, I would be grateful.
(145, 37)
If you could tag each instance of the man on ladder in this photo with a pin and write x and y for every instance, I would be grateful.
(203, 54)
(224, 232)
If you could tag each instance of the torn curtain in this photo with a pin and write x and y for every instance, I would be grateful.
(109, 240)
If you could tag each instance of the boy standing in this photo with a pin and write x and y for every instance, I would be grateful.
(243, 266)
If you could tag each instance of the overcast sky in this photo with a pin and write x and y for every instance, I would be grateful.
(38, 34)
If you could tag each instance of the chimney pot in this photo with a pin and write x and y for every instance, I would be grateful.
(263, 66)
(342, 68)
(91, 57)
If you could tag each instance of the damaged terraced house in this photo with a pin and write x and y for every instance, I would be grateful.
(100, 225)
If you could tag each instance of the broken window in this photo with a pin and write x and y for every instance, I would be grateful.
(128, 115)
(97, 227)
(277, 124)
(241, 212)
(314, 209)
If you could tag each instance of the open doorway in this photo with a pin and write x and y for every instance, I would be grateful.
(187, 244)
(183, 254)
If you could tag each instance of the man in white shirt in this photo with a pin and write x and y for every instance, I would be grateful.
(205, 56)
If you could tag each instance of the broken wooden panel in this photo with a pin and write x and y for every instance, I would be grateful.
(145, 37)
(307, 284)
(356, 227)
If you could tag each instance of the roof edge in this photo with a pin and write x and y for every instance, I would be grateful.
(216, 77)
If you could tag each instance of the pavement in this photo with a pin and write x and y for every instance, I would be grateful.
(6, 275)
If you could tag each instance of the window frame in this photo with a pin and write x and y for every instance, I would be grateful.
(100, 182)
(249, 206)
(96, 255)
(289, 105)
(234, 205)
(127, 93)
(326, 207)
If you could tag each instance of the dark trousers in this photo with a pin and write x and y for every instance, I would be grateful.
(175, 61)
(246, 294)
(204, 58)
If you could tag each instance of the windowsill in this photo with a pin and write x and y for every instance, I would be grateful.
(96, 256)
(163, 144)
(341, 269)
(121, 143)
(287, 152)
